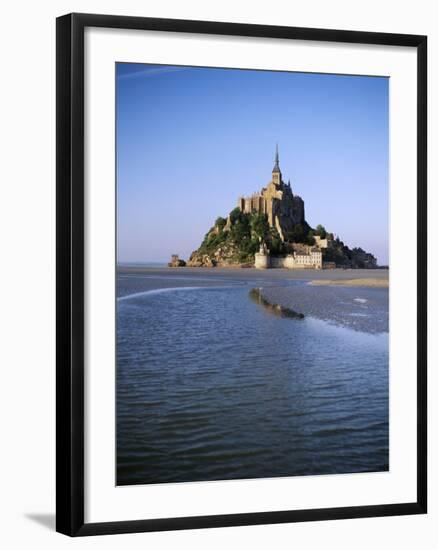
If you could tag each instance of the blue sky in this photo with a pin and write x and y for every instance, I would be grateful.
(190, 141)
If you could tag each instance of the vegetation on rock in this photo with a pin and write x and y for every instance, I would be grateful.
(237, 239)
(343, 256)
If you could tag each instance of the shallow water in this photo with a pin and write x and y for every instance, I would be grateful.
(358, 308)
(211, 386)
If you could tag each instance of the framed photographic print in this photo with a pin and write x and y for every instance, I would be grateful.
(241, 274)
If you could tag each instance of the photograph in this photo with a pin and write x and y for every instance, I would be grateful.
(217, 333)
(252, 274)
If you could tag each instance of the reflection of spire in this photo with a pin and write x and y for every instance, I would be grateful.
(276, 165)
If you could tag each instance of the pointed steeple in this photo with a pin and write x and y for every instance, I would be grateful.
(277, 160)
(276, 165)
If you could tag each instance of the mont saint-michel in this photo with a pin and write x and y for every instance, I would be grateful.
(269, 230)
(262, 350)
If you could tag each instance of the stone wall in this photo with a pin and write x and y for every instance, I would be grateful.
(262, 261)
(300, 261)
(287, 262)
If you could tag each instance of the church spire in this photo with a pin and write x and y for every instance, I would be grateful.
(276, 165)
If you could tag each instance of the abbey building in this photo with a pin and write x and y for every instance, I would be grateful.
(277, 201)
(284, 211)
(281, 237)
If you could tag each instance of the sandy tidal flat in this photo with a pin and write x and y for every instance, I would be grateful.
(370, 283)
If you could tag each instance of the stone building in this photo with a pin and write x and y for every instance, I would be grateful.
(276, 200)
(306, 258)
(322, 243)
(284, 210)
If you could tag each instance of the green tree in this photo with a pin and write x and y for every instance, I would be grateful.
(320, 230)
(296, 235)
(241, 230)
(220, 222)
(235, 214)
(275, 243)
(259, 226)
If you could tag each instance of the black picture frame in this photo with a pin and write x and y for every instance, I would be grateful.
(70, 273)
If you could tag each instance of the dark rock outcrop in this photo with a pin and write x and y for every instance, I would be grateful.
(176, 261)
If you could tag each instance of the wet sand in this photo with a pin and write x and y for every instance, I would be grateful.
(368, 282)
(332, 276)
(357, 307)
(355, 298)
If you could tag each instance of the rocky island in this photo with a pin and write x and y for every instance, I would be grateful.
(269, 229)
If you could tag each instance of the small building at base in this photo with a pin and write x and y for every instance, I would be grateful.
(311, 259)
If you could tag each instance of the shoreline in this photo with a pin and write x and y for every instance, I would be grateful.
(248, 274)
(371, 282)
(285, 292)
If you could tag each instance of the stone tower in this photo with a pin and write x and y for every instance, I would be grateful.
(283, 209)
